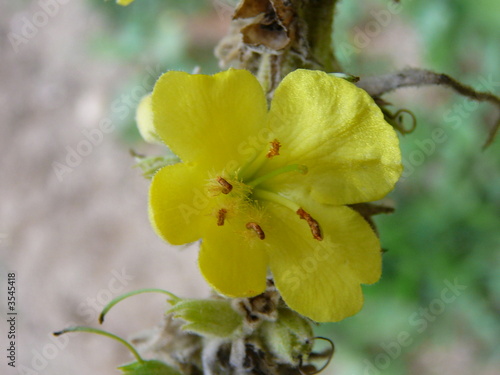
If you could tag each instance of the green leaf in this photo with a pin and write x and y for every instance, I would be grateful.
(152, 367)
(210, 318)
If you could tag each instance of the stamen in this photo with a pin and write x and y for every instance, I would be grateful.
(275, 198)
(275, 149)
(257, 229)
(226, 186)
(288, 168)
(313, 224)
(279, 199)
(221, 216)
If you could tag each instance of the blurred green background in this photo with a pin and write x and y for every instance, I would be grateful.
(447, 223)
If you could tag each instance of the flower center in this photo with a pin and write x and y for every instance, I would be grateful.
(257, 162)
(241, 194)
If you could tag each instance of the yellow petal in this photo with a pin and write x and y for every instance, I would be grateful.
(209, 120)
(232, 261)
(144, 120)
(339, 133)
(124, 2)
(177, 203)
(321, 279)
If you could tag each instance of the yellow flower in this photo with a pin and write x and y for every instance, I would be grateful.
(124, 2)
(266, 190)
(144, 119)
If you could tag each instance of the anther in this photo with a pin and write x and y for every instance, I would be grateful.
(226, 186)
(313, 224)
(221, 216)
(257, 229)
(275, 149)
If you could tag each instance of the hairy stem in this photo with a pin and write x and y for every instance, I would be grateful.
(318, 17)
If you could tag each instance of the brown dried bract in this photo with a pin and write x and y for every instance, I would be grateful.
(272, 24)
(275, 149)
(367, 210)
(313, 224)
(251, 8)
(261, 307)
(257, 229)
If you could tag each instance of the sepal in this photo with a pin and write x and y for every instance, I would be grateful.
(289, 338)
(151, 165)
(208, 318)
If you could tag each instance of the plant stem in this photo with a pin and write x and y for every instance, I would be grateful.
(318, 16)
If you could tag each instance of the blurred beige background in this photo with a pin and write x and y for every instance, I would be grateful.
(77, 240)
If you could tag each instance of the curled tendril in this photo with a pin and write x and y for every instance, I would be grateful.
(380, 85)
(330, 354)
(397, 120)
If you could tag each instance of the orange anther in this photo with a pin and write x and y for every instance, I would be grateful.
(313, 224)
(226, 186)
(257, 229)
(275, 149)
(221, 216)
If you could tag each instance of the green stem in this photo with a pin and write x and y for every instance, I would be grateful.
(102, 333)
(318, 16)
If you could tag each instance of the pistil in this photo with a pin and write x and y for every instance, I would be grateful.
(288, 168)
(254, 165)
(275, 198)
